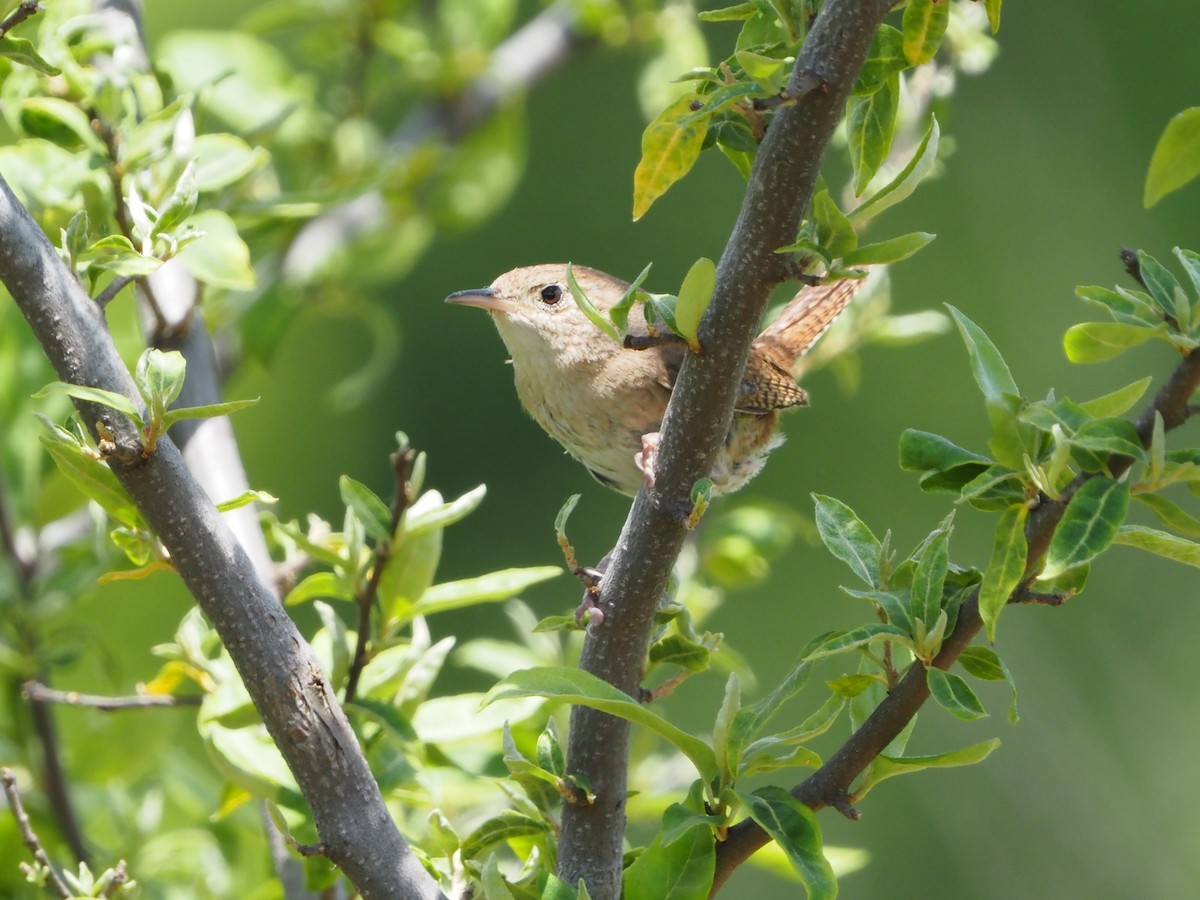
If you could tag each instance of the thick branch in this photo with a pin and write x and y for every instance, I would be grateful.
(830, 785)
(698, 419)
(278, 667)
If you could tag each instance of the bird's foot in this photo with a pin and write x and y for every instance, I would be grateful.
(646, 458)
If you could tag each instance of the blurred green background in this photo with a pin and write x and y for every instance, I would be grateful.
(1094, 793)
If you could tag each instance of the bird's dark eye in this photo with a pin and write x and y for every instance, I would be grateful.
(551, 293)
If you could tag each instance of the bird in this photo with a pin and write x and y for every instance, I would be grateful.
(604, 402)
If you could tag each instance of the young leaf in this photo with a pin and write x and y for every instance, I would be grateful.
(245, 498)
(924, 26)
(871, 125)
(1160, 543)
(1005, 567)
(1090, 342)
(1176, 158)
(429, 512)
(1119, 401)
(842, 641)
(370, 510)
(1160, 283)
(1091, 521)
(886, 767)
(93, 477)
(488, 588)
(694, 296)
(900, 187)
(1171, 514)
(930, 576)
(588, 308)
(681, 870)
(987, 365)
(847, 538)
(984, 663)
(210, 411)
(504, 826)
(884, 59)
(993, 13)
(794, 827)
(834, 231)
(572, 685)
(23, 52)
(220, 258)
(619, 314)
(953, 694)
(119, 402)
(889, 251)
(669, 150)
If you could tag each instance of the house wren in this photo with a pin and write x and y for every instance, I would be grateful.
(605, 403)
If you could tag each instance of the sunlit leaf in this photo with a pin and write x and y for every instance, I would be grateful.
(669, 150)
(1005, 566)
(1088, 526)
(1176, 159)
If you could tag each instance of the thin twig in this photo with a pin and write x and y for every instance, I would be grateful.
(23, 11)
(29, 836)
(401, 461)
(37, 692)
(115, 287)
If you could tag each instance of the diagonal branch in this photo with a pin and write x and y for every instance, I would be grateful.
(830, 785)
(697, 420)
(278, 667)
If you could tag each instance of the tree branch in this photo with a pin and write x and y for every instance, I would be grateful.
(698, 419)
(29, 836)
(278, 667)
(830, 785)
(36, 692)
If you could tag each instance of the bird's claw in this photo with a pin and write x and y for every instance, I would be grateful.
(645, 460)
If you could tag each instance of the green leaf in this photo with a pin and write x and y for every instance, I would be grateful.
(159, 378)
(181, 203)
(564, 513)
(695, 294)
(842, 641)
(794, 827)
(1108, 436)
(1090, 342)
(1119, 401)
(750, 719)
(953, 694)
(245, 498)
(494, 586)
(993, 13)
(847, 538)
(24, 53)
(669, 150)
(429, 513)
(588, 308)
(944, 465)
(376, 518)
(984, 663)
(681, 870)
(92, 477)
(1161, 284)
(584, 689)
(60, 122)
(1191, 265)
(885, 767)
(223, 159)
(1005, 567)
(899, 188)
(1171, 514)
(119, 402)
(1089, 525)
(220, 257)
(504, 826)
(1160, 543)
(768, 72)
(884, 59)
(679, 650)
(736, 13)
(988, 367)
(924, 26)
(619, 313)
(209, 411)
(725, 95)
(870, 125)
(318, 585)
(1128, 307)
(834, 231)
(890, 251)
(1176, 158)
(930, 576)
(116, 253)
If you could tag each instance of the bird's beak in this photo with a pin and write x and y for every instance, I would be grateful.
(484, 298)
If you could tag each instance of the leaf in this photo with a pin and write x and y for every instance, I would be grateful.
(619, 312)
(953, 694)
(695, 294)
(988, 367)
(993, 13)
(504, 826)
(835, 234)
(679, 650)
(1119, 401)
(159, 378)
(870, 126)
(113, 400)
(1090, 342)
(181, 203)
(924, 25)
(885, 767)
(1005, 567)
(318, 585)
(890, 251)
(588, 308)
(1171, 514)
(220, 257)
(923, 161)
(1110, 436)
(680, 870)
(429, 513)
(842, 641)
(1160, 543)
(499, 585)
(1161, 284)
(223, 159)
(750, 719)
(1176, 158)
(376, 518)
(930, 576)
(669, 150)
(1089, 525)
(245, 498)
(58, 121)
(794, 827)
(22, 52)
(209, 411)
(92, 477)
(884, 59)
(584, 689)
(984, 663)
(944, 465)
(847, 538)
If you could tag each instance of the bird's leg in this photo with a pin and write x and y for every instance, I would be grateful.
(645, 459)
(588, 612)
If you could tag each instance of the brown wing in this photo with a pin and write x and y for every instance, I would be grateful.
(805, 319)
